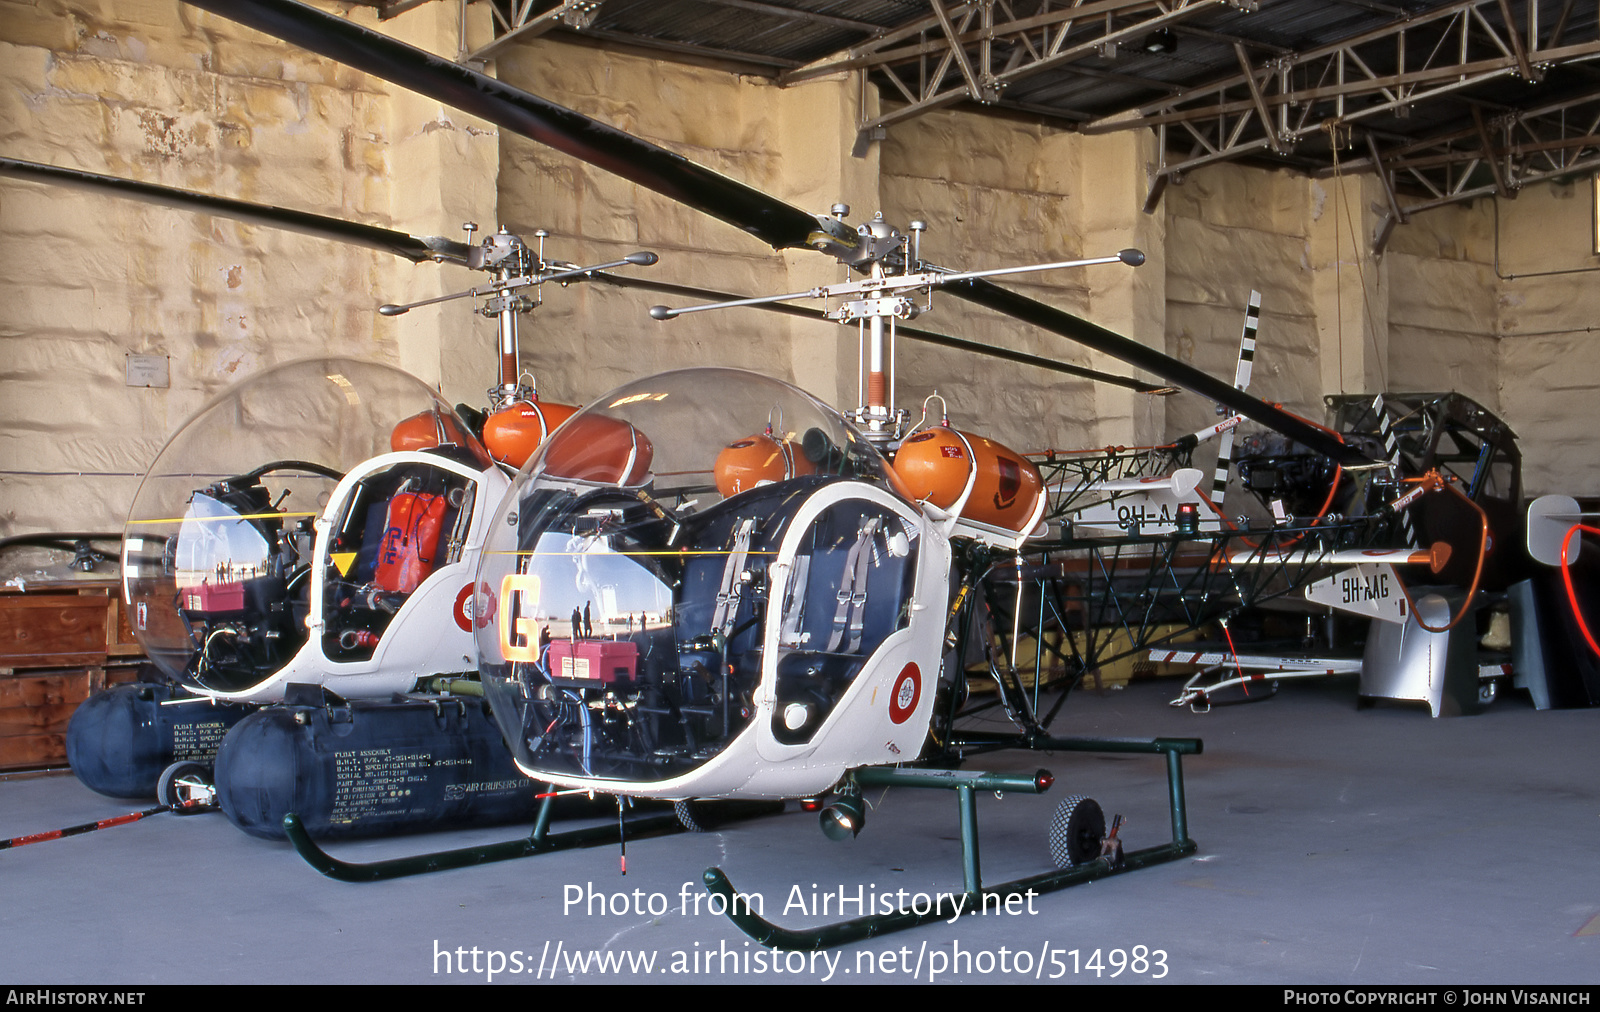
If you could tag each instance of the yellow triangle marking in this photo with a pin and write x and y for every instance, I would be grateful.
(343, 560)
(1591, 928)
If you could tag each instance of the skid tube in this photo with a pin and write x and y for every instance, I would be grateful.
(976, 897)
(540, 841)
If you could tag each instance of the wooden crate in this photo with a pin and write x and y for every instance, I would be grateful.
(59, 642)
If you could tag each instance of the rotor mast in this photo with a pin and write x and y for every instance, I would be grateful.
(895, 274)
(511, 259)
(513, 266)
(876, 309)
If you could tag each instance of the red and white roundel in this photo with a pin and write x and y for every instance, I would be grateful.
(907, 690)
(463, 609)
(469, 605)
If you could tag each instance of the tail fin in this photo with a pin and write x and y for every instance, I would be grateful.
(1391, 446)
(1241, 380)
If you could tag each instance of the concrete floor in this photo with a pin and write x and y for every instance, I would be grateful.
(1335, 846)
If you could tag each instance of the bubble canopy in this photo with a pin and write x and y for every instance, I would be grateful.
(223, 517)
(622, 606)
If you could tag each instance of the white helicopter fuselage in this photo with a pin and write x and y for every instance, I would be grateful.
(836, 690)
(430, 630)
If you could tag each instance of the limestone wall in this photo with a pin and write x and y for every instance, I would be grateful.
(588, 339)
(1430, 315)
(159, 92)
(1231, 230)
(1443, 304)
(153, 90)
(993, 193)
(1549, 326)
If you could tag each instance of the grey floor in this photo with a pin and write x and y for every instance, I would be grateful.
(1336, 846)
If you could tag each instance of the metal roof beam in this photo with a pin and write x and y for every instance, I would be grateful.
(984, 86)
(887, 50)
(1224, 84)
(525, 24)
(799, 14)
(1548, 129)
(1479, 69)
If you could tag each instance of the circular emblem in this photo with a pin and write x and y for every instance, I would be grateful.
(907, 690)
(469, 606)
(484, 606)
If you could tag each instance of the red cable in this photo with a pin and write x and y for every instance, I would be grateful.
(1566, 576)
(1243, 682)
(119, 820)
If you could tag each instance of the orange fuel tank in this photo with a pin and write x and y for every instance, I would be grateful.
(421, 432)
(599, 449)
(516, 430)
(745, 463)
(937, 463)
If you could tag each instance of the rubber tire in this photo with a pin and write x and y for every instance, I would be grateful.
(169, 791)
(1076, 831)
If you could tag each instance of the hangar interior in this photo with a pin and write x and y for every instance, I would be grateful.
(1468, 295)
(1409, 184)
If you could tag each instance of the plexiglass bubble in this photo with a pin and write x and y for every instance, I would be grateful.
(623, 586)
(216, 552)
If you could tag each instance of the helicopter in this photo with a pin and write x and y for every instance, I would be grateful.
(746, 598)
(942, 573)
(368, 589)
(221, 570)
(351, 568)
(232, 639)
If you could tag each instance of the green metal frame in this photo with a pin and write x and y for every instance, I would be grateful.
(966, 785)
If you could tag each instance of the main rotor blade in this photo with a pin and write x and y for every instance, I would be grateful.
(914, 333)
(774, 222)
(779, 224)
(983, 293)
(414, 248)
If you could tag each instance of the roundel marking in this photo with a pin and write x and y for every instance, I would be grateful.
(485, 606)
(469, 605)
(907, 691)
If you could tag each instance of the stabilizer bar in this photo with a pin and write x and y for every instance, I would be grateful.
(845, 932)
(975, 898)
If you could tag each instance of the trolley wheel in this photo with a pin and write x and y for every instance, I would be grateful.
(183, 782)
(693, 815)
(1076, 831)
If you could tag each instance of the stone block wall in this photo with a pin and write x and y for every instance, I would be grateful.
(158, 91)
(1434, 313)
(1548, 332)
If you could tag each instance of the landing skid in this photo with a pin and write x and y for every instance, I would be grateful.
(976, 898)
(540, 841)
(1255, 675)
